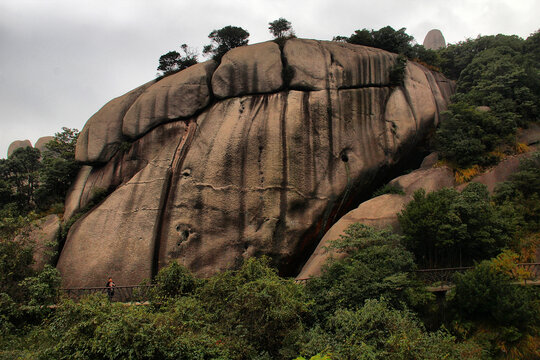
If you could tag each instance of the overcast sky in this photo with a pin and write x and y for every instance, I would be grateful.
(62, 60)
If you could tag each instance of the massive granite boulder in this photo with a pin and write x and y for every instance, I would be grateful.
(275, 146)
(18, 144)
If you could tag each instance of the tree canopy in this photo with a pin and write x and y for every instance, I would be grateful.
(225, 39)
(281, 28)
(173, 61)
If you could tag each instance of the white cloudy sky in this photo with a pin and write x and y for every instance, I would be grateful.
(61, 60)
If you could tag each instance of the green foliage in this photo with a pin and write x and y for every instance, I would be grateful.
(377, 331)
(173, 280)
(28, 184)
(456, 57)
(497, 78)
(490, 306)
(96, 329)
(397, 73)
(521, 194)
(467, 135)
(281, 28)
(173, 61)
(389, 189)
(376, 265)
(385, 38)
(59, 168)
(15, 261)
(254, 302)
(500, 72)
(448, 228)
(43, 288)
(225, 39)
(20, 179)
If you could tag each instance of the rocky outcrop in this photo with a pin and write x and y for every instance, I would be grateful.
(262, 164)
(380, 212)
(42, 236)
(255, 69)
(42, 141)
(18, 144)
(434, 40)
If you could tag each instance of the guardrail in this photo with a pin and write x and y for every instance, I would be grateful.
(442, 277)
(130, 293)
(445, 276)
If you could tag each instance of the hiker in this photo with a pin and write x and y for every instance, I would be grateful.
(110, 288)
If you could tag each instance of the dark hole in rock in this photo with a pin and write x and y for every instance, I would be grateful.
(344, 157)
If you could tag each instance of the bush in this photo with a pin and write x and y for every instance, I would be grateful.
(259, 310)
(467, 135)
(43, 288)
(97, 329)
(377, 331)
(376, 265)
(448, 228)
(490, 307)
(173, 280)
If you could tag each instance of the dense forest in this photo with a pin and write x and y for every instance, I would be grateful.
(367, 305)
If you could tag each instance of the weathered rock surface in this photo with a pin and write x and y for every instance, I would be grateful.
(176, 96)
(247, 175)
(253, 69)
(43, 237)
(434, 40)
(102, 134)
(42, 141)
(18, 144)
(379, 212)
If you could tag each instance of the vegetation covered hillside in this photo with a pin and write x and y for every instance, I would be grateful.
(369, 304)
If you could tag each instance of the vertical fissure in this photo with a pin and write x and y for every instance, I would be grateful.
(176, 165)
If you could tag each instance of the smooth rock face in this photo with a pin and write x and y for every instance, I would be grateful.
(249, 175)
(434, 40)
(102, 135)
(321, 65)
(380, 212)
(176, 96)
(18, 144)
(42, 141)
(117, 238)
(45, 240)
(253, 69)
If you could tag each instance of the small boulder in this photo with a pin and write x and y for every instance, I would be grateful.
(18, 144)
(434, 40)
(42, 141)
(101, 136)
(179, 95)
(252, 69)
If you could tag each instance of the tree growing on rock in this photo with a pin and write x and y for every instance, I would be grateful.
(225, 39)
(173, 61)
(281, 28)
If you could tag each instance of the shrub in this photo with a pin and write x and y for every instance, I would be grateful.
(377, 331)
(173, 280)
(448, 228)
(490, 307)
(259, 310)
(376, 265)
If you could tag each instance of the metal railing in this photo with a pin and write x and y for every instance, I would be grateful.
(441, 277)
(445, 276)
(130, 293)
